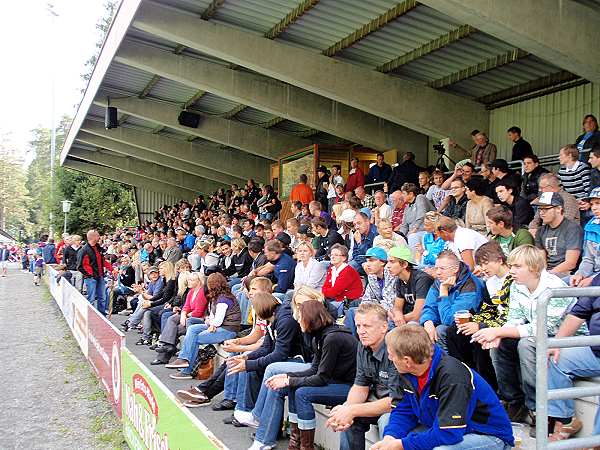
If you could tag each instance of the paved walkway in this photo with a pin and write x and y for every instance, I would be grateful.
(49, 399)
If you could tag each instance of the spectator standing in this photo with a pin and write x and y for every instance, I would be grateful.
(4, 256)
(91, 263)
(559, 237)
(336, 179)
(380, 172)
(302, 192)
(531, 177)
(405, 172)
(573, 174)
(484, 151)
(590, 136)
(356, 177)
(521, 148)
(508, 194)
(321, 189)
(48, 252)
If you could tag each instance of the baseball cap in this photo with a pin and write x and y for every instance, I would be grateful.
(284, 238)
(402, 253)
(152, 269)
(594, 194)
(366, 212)
(348, 215)
(376, 252)
(549, 199)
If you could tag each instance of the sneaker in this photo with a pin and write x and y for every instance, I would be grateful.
(196, 403)
(224, 405)
(564, 431)
(181, 376)
(191, 394)
(245, 418)
(178, 364)
(258, 446)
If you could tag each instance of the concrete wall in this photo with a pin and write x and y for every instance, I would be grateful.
(147, 202)
(548, 122)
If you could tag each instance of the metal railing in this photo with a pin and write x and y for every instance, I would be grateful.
(542, 394)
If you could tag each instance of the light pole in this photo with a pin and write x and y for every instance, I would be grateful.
(53, 16)
(66, 206)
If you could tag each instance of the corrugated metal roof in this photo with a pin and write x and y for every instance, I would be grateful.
(125, 78)
(332, 20)
(254, 116)
(410, 31)
(192, 6)
(172, 91)
(254, 15)
(522, 71)
(213, 104)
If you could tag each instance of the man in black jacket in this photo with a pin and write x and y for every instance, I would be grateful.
(508, 194)
(379, 173)
(91, 263)
(326, 237)
(521, 148)
(531, 177)
(70, 255)
(406, 172)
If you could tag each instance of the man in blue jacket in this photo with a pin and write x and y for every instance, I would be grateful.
(439, 402)
(455, 288)
(284, 266)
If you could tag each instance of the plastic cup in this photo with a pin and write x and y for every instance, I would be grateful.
(518, 433)
(462, 316)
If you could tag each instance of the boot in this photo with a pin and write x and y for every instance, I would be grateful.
(307, 439)
(294, 437)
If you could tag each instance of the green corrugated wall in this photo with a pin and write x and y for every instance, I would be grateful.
(547, 122)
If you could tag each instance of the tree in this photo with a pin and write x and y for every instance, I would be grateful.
(110, 8)
(13, 191)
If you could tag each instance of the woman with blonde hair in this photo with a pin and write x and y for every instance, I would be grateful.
(431, 245)
(193, 312)
(154, 305)
(309, 272)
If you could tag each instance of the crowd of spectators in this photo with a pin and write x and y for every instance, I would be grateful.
(411, 306)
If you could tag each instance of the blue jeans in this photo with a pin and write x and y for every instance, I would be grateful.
(477, 442)
(96, 293)
(354, 437)
(247, 390)
(197, 335)
(572, 362)
(234, 282)
(230, 386)
(244, 303)
(301, 402)
(164, 317)
(270, 416)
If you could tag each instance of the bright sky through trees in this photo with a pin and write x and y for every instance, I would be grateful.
(31, 50)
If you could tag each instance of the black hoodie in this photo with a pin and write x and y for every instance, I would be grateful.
(334, 361)
(282, 341)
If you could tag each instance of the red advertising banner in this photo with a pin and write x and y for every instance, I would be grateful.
(104, 354)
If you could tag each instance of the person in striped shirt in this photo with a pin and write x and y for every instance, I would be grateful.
(573, 174)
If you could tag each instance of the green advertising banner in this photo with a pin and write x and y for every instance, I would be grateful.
(153, 418)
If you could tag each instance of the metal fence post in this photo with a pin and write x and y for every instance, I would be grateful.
(541, 368)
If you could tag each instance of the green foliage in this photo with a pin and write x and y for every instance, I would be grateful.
(13, 191)
(110, 8)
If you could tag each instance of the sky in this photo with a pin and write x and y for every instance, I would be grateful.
(33, 46)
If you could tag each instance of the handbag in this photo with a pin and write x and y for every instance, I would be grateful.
(205, 370)
(205, 356)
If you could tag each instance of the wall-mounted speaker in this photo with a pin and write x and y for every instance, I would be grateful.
(110, 118)
(189, 119)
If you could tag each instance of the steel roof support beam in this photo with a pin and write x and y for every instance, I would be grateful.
(374, 25)
(156, 158)
(489, 64)
(224, 161)
(404, 102)
(126, 178)
(274, 97)
(564, 33)
(251, 139)
(147, 169)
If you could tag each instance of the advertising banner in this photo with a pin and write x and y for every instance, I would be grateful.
(152, 417)
(77, 317)
(104, 354)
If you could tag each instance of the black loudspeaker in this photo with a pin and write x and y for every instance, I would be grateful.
(110, 118)
(189, 119)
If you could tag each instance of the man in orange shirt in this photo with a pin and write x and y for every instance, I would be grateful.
(302, 192)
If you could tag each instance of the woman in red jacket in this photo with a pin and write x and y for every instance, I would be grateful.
(193, 312)
(342, 281)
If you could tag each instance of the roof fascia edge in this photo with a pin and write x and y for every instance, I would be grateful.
(116, 33)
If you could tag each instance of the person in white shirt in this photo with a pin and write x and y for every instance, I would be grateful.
(334, 180)
(462, 241)
(382, 210)
(309, 271)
